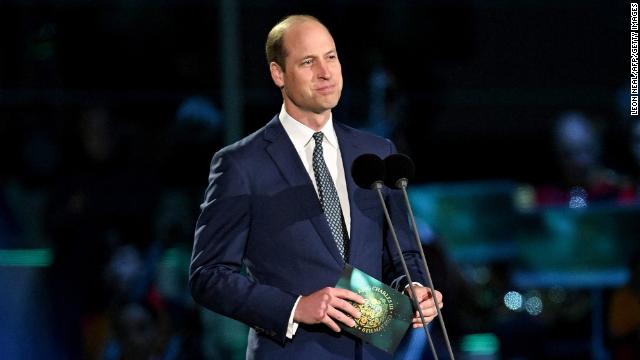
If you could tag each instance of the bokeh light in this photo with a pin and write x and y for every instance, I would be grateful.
(513, 300)
(533, 305)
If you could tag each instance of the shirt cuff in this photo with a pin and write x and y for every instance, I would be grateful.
(292, 327)
(406, 286)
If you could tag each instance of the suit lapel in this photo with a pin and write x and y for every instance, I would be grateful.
(284, 155)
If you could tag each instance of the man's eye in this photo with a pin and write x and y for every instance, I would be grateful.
(332, 57)
(307, 62)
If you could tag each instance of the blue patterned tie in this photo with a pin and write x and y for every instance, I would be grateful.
(329, 197)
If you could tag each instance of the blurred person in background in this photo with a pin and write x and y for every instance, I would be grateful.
(26, 190)
(262, 210)
(624, 315)
(139, 332)
(630, 183)
(634, 145)
(463, 313)
(582, 176)
(387, 105)
(629, 130)
(195, 132)
(31, 161)
(101, 201)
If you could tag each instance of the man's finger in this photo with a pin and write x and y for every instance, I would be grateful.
(345, 307)
(330, 323)
(424, 293)
(429, 307)
(430, 312)
(430, 303)
(421, 293)
(348, 295)
(338, 315)
(418, 324)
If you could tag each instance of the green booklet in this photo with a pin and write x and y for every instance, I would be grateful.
(386, 313)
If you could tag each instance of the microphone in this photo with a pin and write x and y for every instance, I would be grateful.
(368, 172)
(399, 172)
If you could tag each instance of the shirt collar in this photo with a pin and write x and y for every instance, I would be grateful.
(301, 134)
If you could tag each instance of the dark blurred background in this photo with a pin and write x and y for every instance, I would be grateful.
(516, 114)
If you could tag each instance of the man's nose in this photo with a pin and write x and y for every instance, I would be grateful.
(323, 70)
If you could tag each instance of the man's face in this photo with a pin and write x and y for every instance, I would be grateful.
(312, 80)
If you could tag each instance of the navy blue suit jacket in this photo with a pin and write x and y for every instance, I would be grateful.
(261, 210)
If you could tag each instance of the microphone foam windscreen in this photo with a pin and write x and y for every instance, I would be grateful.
(398, 166)
(367, 169)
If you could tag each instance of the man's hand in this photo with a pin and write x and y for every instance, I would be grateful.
(327, 306)
(427, 304)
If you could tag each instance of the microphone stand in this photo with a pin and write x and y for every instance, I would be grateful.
(402, 184)
(378, 187)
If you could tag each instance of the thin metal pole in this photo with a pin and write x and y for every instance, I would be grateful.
(426, 267)
(377, 186)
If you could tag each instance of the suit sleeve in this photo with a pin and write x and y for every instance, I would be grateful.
(394, 273)
(221, 236)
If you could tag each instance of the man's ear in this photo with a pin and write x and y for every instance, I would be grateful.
(277, 74)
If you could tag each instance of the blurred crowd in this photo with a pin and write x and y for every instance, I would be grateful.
(582, 174)
(116, 201)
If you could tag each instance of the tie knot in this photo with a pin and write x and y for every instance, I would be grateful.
(318, 137)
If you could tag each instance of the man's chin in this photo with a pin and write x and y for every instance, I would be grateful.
(323, 109)
(329, 104)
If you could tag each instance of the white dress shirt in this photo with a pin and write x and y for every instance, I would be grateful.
(302, 138)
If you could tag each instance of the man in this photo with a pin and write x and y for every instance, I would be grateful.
(283, 203)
